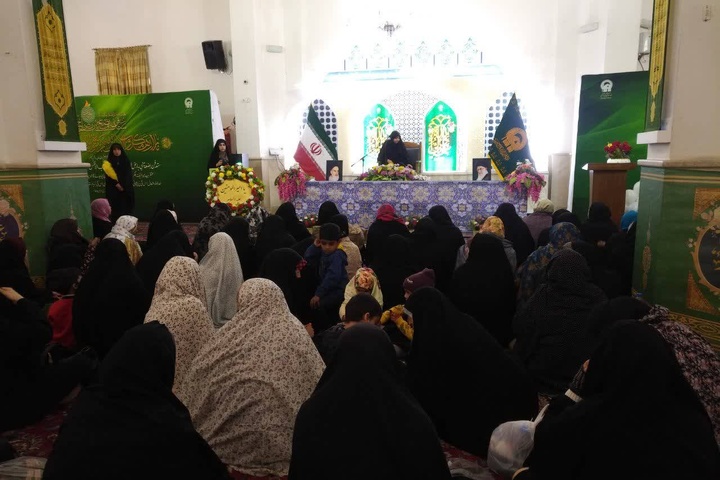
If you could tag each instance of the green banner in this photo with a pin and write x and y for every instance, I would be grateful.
(440, 139)
(167, 137)
(612, 107)
(661, 17)
(58, 108)
(378, 126)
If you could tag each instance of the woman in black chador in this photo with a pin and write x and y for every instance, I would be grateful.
(219, 155)
(394, 150)
(119, 188)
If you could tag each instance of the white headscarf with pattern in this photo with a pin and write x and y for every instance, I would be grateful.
(222, 276)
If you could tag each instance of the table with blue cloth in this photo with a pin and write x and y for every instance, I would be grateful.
(360, 200)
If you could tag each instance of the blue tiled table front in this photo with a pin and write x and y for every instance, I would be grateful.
(361, 200)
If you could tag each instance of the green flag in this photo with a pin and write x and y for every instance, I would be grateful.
(510, 145)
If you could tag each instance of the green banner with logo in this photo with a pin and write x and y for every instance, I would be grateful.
(440, 139)
(378, 125)
(612, 108)
(58, 107)
(167, 137)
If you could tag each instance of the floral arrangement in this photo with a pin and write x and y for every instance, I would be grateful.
(477, 223)
(310, 220)
(618, 150)
(291, 183)
(218, 176)
(412, 221)
(386, 173)
(526, 178)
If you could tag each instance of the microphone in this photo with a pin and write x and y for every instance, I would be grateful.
(361, 160)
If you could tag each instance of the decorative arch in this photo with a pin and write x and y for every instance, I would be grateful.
(440, 139)
(495, 113)
(327, 118)
(377, 126)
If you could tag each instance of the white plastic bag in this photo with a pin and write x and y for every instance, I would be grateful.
(511, 444)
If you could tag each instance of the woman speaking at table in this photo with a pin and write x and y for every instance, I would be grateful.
(393, 151)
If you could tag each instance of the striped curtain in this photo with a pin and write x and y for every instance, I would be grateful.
(122, 71)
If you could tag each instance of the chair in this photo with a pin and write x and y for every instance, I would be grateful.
(415, 154)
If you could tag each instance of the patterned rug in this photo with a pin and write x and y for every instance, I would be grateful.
(37, 441)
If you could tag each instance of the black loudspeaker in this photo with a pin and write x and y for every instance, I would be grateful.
(214, 55)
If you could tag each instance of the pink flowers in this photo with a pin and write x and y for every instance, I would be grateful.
(526, 178)
(291, 183)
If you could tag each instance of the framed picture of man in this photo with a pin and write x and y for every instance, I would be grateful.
(333, 170)
(481, 169)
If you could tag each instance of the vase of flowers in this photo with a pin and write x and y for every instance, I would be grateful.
(412, 221)
(291, 183)
(526, 179)
(386, 173)
(477, 222)
(310, 220)
(618, 152)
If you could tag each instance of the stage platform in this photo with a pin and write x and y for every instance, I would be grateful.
(464, 200)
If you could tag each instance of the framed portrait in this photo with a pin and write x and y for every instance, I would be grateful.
(334, 170)
(481, 169)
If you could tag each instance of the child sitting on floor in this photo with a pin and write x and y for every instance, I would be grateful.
(397, 323)
(364, 281)
(333, 276)
(362, 308)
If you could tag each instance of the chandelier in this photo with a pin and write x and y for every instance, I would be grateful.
(389, 28)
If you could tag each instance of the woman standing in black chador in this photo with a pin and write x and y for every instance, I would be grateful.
(219, 155)
(393, 150)
(119, 188)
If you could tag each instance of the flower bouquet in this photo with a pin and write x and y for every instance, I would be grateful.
(412, 221)
(291, 183)
(310, 220)
(240, 200)
(618, 152)
(477, 223)
(385, 173)
(526, 178)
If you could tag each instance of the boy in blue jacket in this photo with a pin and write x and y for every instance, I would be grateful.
(329, 295)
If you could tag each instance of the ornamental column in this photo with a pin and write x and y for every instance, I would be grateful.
(677, 252)
(42, 178)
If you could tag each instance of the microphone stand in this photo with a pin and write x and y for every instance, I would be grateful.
(361, 160)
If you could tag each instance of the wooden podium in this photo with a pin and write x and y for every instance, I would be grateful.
(608, 185)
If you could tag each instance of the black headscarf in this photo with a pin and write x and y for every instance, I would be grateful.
(294, 226)
(13, 271)
(279, 267)
(360, 423)
(621, 255)
(484, 287)
(326, 211)
(599, 226)
(65, 232)
(555, 319)
(602, 275)
(150, 266)
(396, 152)
(379, 232)
(516, 231)
(558, 216)
(392, 266)
(425, 247)
(212, 223)
(239, 230)
(449, 348)
(216, 155)
(341, 221)
(162, 223)
(110, 299)
(616, 431)
(131, 425)
(273, 235)
(450, 238)
(122, 203)
(165, 205)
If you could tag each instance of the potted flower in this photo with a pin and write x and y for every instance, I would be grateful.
(526, 179)
(291, 183)
(618, 152)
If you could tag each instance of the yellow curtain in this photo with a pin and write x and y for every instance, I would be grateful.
(122, 71)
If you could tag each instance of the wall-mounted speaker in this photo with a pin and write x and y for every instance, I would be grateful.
(214, 55)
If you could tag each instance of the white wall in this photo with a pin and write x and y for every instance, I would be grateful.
(173, 28)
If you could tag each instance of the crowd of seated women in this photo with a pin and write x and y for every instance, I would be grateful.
(310, 354)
